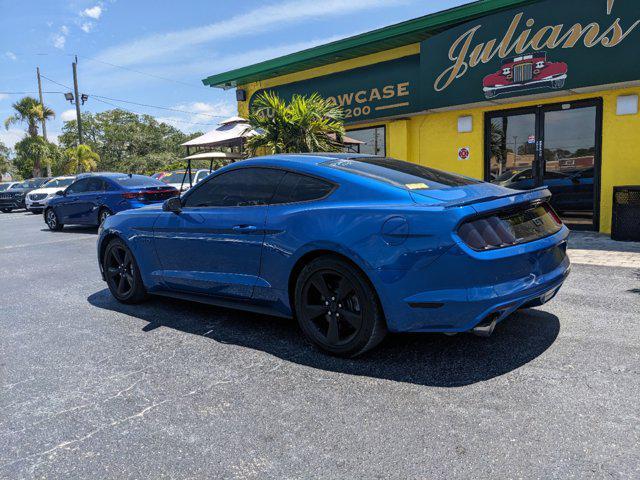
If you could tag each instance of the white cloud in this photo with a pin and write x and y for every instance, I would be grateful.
(205, 116)
(258, 20)
(68, 115)
(11, 137)
(58, 40)
(10, 55)
(3, 96)
(86, 27)
(94, 12)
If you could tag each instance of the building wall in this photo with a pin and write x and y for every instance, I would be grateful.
(432, 138)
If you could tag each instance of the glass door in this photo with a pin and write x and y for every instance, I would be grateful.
(571, 154)
(557, 146)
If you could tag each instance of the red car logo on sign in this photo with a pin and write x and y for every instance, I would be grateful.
(526, 72)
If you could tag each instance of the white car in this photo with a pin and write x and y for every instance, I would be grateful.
(37, 199)
(176, 177)
(7, 185)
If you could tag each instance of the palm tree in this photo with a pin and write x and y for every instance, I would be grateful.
(29, 110)
(306, 124)
(80, 159)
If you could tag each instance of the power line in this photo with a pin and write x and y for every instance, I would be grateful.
(152, 75)
(138, 113)
(139, 104)
(24, 93)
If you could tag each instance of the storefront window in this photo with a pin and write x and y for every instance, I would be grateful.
(373, 141)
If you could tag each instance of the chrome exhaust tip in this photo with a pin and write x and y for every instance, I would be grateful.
(486, 327)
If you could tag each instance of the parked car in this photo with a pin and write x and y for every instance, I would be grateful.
(353, 246)
(7, 185)
(14, 197)
(91, 199)
(179, 180)
(525, 72)
(572, 191)
(36, 200)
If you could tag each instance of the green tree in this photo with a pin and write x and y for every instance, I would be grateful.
(80, 159)
(32, 151)
(305, 124)
(5, 160)
(28, 110)
(127, 142)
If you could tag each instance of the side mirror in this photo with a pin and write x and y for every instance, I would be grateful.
(173, 204)
(60, 193)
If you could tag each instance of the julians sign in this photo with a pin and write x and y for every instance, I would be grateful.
(545, 46)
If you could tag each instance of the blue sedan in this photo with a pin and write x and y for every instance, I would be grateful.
(352, 246)
(92, 198)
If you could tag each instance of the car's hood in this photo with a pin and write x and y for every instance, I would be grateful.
(47, 190)
(469, 194)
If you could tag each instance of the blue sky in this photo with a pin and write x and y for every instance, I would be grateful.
(157, 52)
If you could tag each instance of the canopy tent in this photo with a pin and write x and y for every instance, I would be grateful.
(212, 157)
(230, 133)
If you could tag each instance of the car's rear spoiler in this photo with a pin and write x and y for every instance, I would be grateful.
(528, 195)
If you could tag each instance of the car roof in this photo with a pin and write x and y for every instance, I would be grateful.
(301, 159)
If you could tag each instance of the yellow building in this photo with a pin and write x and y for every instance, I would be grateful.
(520, 92)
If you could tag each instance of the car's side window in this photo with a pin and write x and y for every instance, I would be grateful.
(300, 188)
(78, 187)
(95, 185)
(238, 188)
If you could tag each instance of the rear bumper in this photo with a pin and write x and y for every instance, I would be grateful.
(461, 289)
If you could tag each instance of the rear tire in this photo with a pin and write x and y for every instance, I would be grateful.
(52, 221)
(337, 307)
(122, 273)
(7, 210)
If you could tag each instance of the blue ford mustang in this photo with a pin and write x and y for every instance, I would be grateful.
(353, 246)
(92, 198)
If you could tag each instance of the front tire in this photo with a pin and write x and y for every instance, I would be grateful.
(337, 308)
(103, 215)
(122, 273)
(7, 210)
(52, 220)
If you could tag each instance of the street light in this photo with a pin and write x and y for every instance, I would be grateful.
(69, 97)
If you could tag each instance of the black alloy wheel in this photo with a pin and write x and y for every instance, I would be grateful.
(122, 274)
(102, 216)
(51, 219)
(337, 308)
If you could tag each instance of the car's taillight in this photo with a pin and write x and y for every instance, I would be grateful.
(510, 227)
(130, 195)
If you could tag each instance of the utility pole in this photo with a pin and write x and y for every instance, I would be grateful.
(44, 122)
(75, 89)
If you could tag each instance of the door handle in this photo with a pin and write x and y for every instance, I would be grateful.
(245, 228)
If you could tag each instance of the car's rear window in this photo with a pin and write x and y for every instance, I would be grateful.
(136, 181)
(401, 174)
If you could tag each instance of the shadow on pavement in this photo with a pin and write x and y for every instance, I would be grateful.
(73, 229)
(423, 359)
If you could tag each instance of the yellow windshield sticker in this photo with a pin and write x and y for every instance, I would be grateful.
(416, 186)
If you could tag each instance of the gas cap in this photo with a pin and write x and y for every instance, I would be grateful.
(395, 230)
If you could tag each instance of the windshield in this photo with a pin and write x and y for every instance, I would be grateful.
(59, 182)
(19, 186)
(401, 174)
(176, 177)
(4, 186)
(137, 181)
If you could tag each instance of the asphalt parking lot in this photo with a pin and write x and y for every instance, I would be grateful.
(90, 388)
